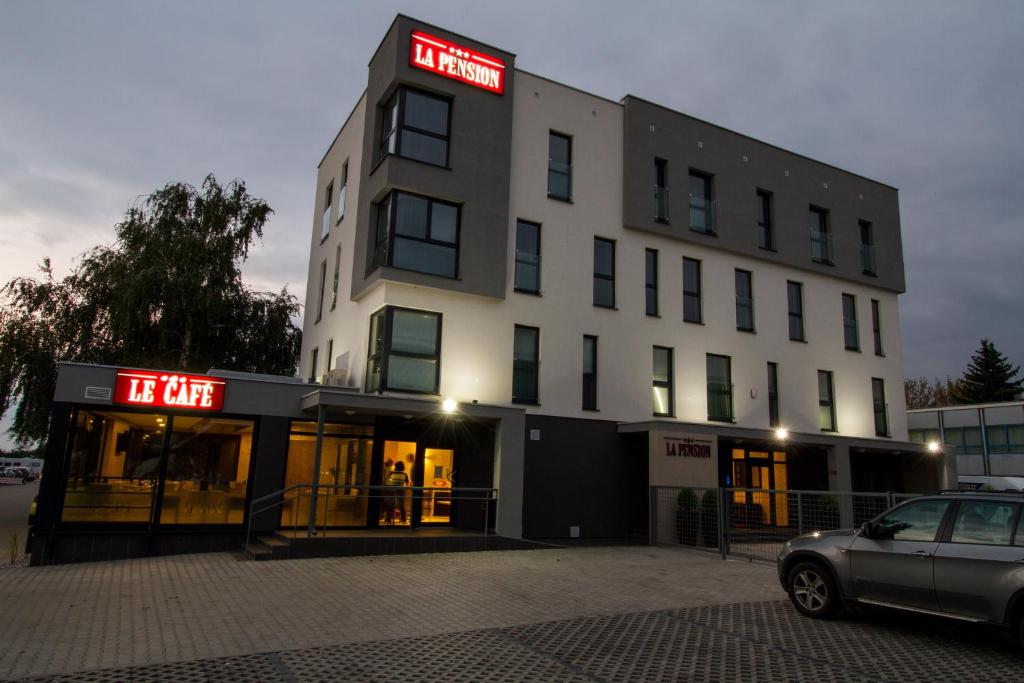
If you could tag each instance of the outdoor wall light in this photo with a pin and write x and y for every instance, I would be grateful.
(933, 446)
(449, 405)
(781, 433)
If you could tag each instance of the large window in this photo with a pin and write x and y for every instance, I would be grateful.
(702, 206)
(795, 298)
(692, 309)
(880, 408)
(1005, 438)
(527, 276)
(559, 166)
(867, 248)
(851, 336)
(415, 125)
(765, 229)
(826, 402)
(744, 301)
(662, 382)
(821, 238)
(651, 281)
(963, 440)
(417, 233)
(589, 372)
(773, 395)
(876, 326)
(604, 273)
(719, 379)
(526, 365)
(116, 460)
(661, 190)
(405, 351)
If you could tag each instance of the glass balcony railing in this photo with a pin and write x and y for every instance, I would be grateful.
(867, 259)
(821, 246)
(660, 203)
(702, 215)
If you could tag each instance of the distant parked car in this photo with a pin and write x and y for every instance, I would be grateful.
(9, 475)
(957, 554)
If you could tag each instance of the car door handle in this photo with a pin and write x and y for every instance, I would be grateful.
(922, 554)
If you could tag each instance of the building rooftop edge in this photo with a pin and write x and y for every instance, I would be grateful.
(969, 406)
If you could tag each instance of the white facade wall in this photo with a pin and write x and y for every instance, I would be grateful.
(477, 332)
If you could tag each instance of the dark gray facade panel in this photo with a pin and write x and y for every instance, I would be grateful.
(480, 157)
(740, 166)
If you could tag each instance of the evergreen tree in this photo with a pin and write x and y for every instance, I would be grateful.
(989, 378)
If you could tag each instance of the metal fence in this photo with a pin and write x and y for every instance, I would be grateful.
(756, 523)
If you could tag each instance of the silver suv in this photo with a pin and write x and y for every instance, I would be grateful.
(954, 554)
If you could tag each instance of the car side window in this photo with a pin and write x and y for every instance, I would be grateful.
(916, 521)
(985, 522)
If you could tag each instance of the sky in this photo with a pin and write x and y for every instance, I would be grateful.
(102, 102)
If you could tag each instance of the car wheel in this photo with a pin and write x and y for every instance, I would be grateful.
(812, 590)
(1019, 629)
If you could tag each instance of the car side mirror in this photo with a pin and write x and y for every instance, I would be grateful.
(867, 530)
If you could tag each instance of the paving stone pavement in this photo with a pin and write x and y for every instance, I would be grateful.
(188, 608)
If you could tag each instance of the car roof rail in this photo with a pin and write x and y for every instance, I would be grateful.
(989, 492)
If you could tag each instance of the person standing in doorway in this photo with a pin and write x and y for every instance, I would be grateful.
(395, 493)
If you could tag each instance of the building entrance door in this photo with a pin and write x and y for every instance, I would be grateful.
(764, 474)
(417, 484)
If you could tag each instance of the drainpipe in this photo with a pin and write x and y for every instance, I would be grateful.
(320, 414)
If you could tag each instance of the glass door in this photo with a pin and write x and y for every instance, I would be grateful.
(438, 477)
(397, 477)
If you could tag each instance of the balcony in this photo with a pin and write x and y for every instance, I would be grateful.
(867, 259)
(821, 246)
(702, 215)
(661, 204)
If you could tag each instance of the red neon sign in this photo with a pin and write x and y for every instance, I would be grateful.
(168, 390)
(457, 62)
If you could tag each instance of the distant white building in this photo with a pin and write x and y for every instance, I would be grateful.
(986, 439)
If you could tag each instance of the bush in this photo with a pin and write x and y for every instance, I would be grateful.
(687, 500)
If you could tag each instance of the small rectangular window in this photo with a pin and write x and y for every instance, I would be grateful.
(313, 364)
(527, 275)
(851, 336)
(341, 190)
(881, 409)
(604, 273)
(662, 382)
(661, 190)
(559, 166)
(821, 238)
(320, 295)
(773, 395)
(765, 232)
(415, 125)
(337, 277)
(417, 233)
(826, 402)
(405, 351)
(719, 381)
(744, 301)
(876, 326)
(702, 205)
(589, 372)
(651, 281)
(330, 355)
(795, 297)
(325, 221)
(526, 365)
(692, 308)
(867, 248)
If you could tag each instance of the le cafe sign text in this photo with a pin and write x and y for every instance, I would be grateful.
(687, 448)
(168, 390)
(457, 62)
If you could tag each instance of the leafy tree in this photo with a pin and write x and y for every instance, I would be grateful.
(168, 294)
(919, 393)
(989, 378)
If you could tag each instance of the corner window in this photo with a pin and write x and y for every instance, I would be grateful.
(744, 301)
(589, 372)
(661, 190)
(702, 206)
(876, 326)
(527, 275)
(821, 238)
(692, 309)
(795, 298)
(880, 408)
(867, 248)
(651, 281)
(765, 229)
(719, 380)
(773, 395)
(559, 166)
(405, 351)
(826, 402)
(417, 233)
(851, 336)
(325, 220)
(662, 382)
(526, 365)
(604, 273)
(415, 125)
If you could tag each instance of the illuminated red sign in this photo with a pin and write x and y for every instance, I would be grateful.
(168, 390)
(455, 61)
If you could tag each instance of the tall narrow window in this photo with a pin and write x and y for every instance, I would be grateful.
(881, 410)
(527, 277)
(325, 221)
(341, 190)
(337, 277)
(651, 281)
(821, 239)
(320, 294)
(525, 365)
(744, 301)
(867, 248)
(795, 297)
(417, 233)
(405, 351)
(719, 378)
(702, 206)
(559, 166)
(313, 364)
(604, 272)
(850, 333)
(692, 312)
(330, 355)
(765, 231)
(415, 125)
(773, 395)
(826, 402)
(661, 190)
(876, 326)
(589, 372)
(662, 382)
